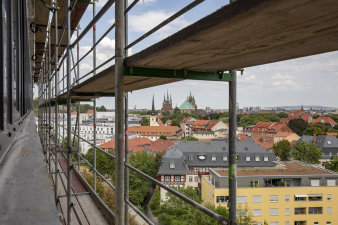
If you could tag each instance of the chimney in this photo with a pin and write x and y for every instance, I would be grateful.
(314, 138)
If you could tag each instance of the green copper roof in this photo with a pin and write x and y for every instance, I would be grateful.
(186, 105)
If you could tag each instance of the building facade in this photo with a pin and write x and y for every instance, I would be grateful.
(289, 194)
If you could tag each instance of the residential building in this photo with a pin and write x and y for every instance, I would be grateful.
(327, 144)
(186, 124)
(183, 163)
(290, 193)
(155, 132)
(266, 131)
(134, 144)
(325, 119)
(282, 135)
(159, 146)
(209, 129)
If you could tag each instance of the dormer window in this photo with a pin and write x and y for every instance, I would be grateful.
(266, 158)
(190, 157)
(225, 158)
(257, 158)
(247, 159)
(172, 165)
(213, 158)
(328, 142)
(202, 157)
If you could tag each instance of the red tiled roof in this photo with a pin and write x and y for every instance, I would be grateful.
(306, 116)
(267, 145)
(168, 131)
(240, 136)
(160, 145)
(90, 111)
(326, 119)
(332, 133)
(283, 134)
(135, 144)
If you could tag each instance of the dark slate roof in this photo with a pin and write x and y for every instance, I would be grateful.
(186, 154)
(324, 141)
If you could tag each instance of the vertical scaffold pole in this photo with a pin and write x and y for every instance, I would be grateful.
(56, 100)
(94, 134)
(126, 155)
(79, 103)
(119, 110)
(94, 73)
(69, 157)
(49, 98)
(232, 147)
(126, 150)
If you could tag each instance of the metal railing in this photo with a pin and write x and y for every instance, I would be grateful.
(50, 92)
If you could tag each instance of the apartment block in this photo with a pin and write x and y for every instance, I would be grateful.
(291, 193)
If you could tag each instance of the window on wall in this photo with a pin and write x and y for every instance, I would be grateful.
(315, 182)
(273, 198)
(257, 198)
(274, 212)
(222, 199)
(287, 198)
(177, 178)
(213, 158)
(167, 178)
(256, 212)
(266, 159)
(331, 182)
(287, 211)
(172, 165)
(196, 179)
(257, 158)
(329, 197)
(315, 210)
(315, 197)
(241, 199)
(247, 158)
(190, 179)
(225, 158)
(329, 211)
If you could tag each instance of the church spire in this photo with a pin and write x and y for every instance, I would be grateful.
(153, 105)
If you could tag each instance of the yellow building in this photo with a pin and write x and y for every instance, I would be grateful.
(291, 137)
(289, 194)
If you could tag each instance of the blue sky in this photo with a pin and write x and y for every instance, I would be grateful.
(310, 80)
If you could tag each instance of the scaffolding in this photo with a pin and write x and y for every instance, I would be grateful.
(58, 140)
(137, 72)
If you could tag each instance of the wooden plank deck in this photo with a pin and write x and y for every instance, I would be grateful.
(243, 34)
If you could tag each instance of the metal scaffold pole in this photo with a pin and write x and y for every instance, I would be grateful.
(69, 148)
(126, 150)
(119, 111)
(232, 147)
(78, 105)
(49, 99)
(126, 153)
(56, 101)
(94, 134)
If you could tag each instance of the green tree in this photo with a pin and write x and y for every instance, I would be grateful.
(332, 164)
(298, 126)
(282, 149)
(176, 211)
(283, 115)
(104, 163)
(313, 131)
(145, 121)
(166, 113)
(190, 139)
(315, 116)
(139, 186)
(308, 153)
(176, 110)
(163, 137)
(175, 122)
(101, 109)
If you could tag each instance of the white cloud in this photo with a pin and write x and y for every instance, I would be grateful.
(142, 23)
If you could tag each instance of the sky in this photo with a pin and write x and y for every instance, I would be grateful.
(311, 80)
